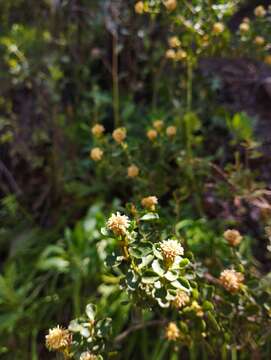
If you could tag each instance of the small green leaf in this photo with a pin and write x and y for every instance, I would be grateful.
(157, 268)
(149, 216)
(91, 311)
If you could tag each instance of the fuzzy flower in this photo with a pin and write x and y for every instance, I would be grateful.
(170, 4)
(172, 332)
(96, 154)
(171, 131)
(246, 20)
(170, 54)
(267, 59)
(180, 55)
(218, 28)
(149, 202)
(170, 250)
(174, 42)
(231, 280)
(119, 135)
(97, 130)
(58, 339)
(152, 134)
(197, 308)
(87, 356)
(132, 171)
(244, 27)
(259, 11)
(158, 124)
(259, 40)
(181, 299)
(139, 7)
(233, 237)
(118, 223)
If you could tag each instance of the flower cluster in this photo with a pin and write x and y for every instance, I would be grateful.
(118, 224)
(58, 339)
(231, 280)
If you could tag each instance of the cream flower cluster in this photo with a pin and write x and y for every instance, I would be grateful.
(58, 339)
(231, 280)
(118, 224)
(170, 250)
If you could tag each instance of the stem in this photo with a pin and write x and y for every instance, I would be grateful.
(115, 80)
(189, 85)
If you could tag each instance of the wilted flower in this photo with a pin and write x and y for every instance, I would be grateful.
(139, 7)
(218, 28)
(58, 339)
(244, 27)
(152, 134)
(149, 202)
(96, 154)
(171, 131)
(158, 124)
(231, 280)
(88, 356)
(197, 308)
(97, 130)
(233, 237)
(119, 135)
(132, 171)
(180, 55)
(174, 42)
(170, 249)
(181, 299)
(170, 54)
(259, 40)
(118, 223)
(172, 332)
(259, 11)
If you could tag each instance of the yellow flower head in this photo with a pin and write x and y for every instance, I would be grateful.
(139, 7)
(181, 299)
(170, 4)
(58, 339)
(132, 171)
(149, 202)
(174, 42)
(96, 154)
(218, 28)
(197, 308)
(259, 40)
(170, 54)
(244, 27)
(158, 124)
(259, 11)
(118, 224)
(170, 249)
(180, 55)
(233, 237)
(97, 130)
(152, 134)
(231, 280)
(119, 135)
(171, 131)
(172, 332)
(267, 59)
(88, 356)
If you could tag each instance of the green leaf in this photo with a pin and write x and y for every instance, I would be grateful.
(157, 267)
(149, 216)
(91, 311)
(149, 277)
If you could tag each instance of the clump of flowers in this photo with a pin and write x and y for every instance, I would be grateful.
(152, 134)
(172, 332)
(244, 27)
(259, 11)
(88, 356)
(97, 130)
(259, 40)
(171, 131)
(170, 250)
(118, 224)
(96, 154)
(195, 306)
(170, 54)
(149, 202)
(119, 135)
(181, 299)
(231, 280)
(218, 28)
(132, 171)
(139, 7)
(158, 124)
(233, 237)
(58, 339)
(174, 42)
(170, 5)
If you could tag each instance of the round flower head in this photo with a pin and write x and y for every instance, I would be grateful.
(170, 4)
(259, 40)
(197, 308)
(58, 339)
(244, 27)
(119, 135)
(174, 42)
(259, 11)
(180, 55)
(267, 59)
(218, 28)
(152, 134)
(170, 249)
(96, 154)
(158, 125)
(118, 224)
(171, 131)
(149, 202)
(139, 7)
(181, 299)
(132, 171)
(172, 332)
(231, 280)
(88, 356)
(170, 54)
(233, 237)
(97, 130)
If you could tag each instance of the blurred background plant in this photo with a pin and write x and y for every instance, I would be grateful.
(104, 103)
